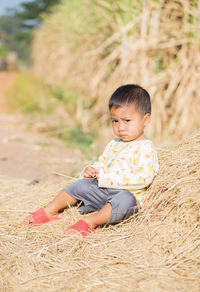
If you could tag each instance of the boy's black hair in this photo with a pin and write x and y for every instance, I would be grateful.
(131, 93)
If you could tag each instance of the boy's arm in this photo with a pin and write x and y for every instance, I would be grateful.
(136, 173)
(102, 160)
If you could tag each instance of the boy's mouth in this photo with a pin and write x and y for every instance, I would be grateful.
(122, 135)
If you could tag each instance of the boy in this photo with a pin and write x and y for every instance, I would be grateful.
(115, 185)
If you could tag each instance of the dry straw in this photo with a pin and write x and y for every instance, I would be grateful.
(96, 46)
(158, 250)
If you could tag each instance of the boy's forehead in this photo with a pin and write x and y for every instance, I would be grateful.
(123, 109)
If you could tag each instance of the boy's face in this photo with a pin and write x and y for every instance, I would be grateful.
(128, 124)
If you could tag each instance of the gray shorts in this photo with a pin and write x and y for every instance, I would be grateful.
(93, 198)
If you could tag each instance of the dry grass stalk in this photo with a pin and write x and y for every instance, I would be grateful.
(158, 250)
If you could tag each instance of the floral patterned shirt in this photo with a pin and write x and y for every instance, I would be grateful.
(128, 165)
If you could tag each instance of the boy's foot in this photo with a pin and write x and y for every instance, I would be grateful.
(39, 217)
(80, 228)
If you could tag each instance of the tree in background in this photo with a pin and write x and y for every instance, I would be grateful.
(16, 27)
(33, 11)
(10, 27)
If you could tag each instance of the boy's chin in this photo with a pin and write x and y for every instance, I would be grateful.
(126, 139)
(133, 138)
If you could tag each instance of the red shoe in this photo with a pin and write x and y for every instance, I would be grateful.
(40, 217)
(82, 227)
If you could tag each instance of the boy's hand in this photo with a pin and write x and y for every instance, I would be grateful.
(90, 172)
(97, 174)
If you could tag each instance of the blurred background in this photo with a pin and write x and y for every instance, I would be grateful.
(69, 56)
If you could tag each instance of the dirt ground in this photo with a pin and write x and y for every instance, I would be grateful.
(28, 155)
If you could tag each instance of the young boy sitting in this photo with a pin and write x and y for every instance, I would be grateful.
(115, 185)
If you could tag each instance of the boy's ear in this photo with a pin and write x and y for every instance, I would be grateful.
(147, 119)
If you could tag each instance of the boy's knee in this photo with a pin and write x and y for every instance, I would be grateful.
(123, 206)
(82, 185)
(127, 200)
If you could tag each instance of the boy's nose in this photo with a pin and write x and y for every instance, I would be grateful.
(121, 126)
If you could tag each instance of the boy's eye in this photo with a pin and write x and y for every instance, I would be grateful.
(114, 121)
(128, 121)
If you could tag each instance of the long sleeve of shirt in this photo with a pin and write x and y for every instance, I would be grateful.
(103, 159)
(128, 165)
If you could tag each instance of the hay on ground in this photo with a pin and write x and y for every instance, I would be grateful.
(158, 250)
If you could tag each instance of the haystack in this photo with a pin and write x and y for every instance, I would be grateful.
(96, 46)
(157, 250)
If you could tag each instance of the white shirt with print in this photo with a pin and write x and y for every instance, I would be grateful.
(129, 166)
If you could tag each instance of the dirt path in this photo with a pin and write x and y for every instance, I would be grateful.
(30, 156)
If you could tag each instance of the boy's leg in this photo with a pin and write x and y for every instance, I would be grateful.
(61, 201)
(69, 196)
(99, 218)
(81, 190)
(120, 207)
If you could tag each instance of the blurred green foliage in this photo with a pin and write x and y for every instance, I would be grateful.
(3, 52)
(31, 12)
(31, 96)
(17, 25)
(76, 137)
(9, 36)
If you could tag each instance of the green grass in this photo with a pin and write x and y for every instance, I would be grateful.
(36, 99)
(3, 52)
(76, 137)
(29, 95)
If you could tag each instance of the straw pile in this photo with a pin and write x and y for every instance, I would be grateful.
(95, 46)
(156, 251)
